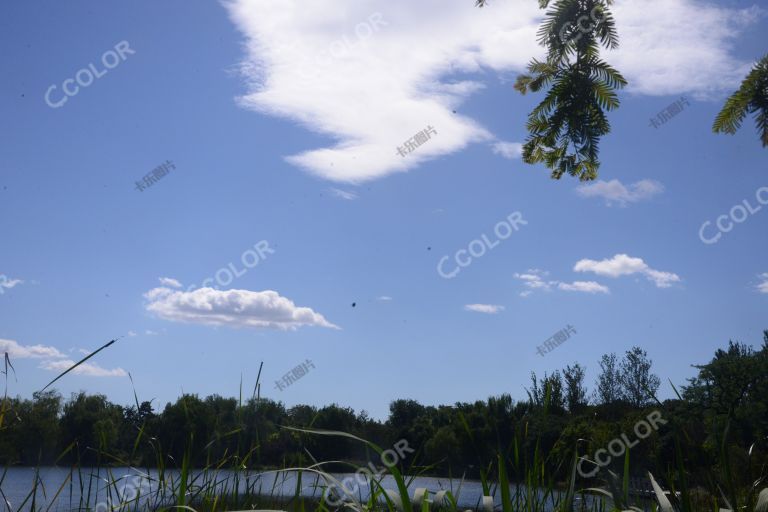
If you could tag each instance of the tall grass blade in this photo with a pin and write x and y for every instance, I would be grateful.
(79, 363)
(664, 504)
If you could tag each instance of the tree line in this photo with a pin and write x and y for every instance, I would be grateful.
(725, 404)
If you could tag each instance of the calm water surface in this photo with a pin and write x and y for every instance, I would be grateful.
(62, 493)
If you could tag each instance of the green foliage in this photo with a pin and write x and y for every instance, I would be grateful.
(629, 380)
(566, 127)
(751, 98)
(608, 383)
(575, 391)
(639, 385)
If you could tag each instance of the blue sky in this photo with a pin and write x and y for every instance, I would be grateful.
(275, 141)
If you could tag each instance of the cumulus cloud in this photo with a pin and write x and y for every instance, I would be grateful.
(537, 280)
(624, 265)
(616, 192)
(370, 75)
(488, 309)
(510, 150)
(233, 308)
(343, 194)
(18, 351)
(87, 369)
(172, 283)
(763, 287)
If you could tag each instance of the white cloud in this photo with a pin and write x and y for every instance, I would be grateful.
(536, 280)
(233, 308)
(87, 369)
(488, 309)
(8, 283)
(583, 286)
(624, 265)
(763, 287)
(384, 298)
(615, 192)
(658, 58)
(17, 351)
(131, 334)
(150, 332)
(369, 75)
(167, 281)
(510, 150)
(343, 194)
(54, 360)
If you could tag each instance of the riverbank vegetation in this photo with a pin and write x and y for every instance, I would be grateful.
(711, 446)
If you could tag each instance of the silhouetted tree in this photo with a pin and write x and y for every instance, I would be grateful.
(638, 384)
(608, 388)
(575, 391)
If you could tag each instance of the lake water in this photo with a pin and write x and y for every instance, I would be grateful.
(61, 489)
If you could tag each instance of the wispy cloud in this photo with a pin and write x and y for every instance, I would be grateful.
(488, 309)
(763, 287)
(583, 286)
(343, 194)
(233, 308)
(537, 280)
(510, 150)
(337, 67)
(384, 298)
(660, 59)
(6, 283)
(616, 192)
(169, 282)
(624, 265)
(54, 360)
